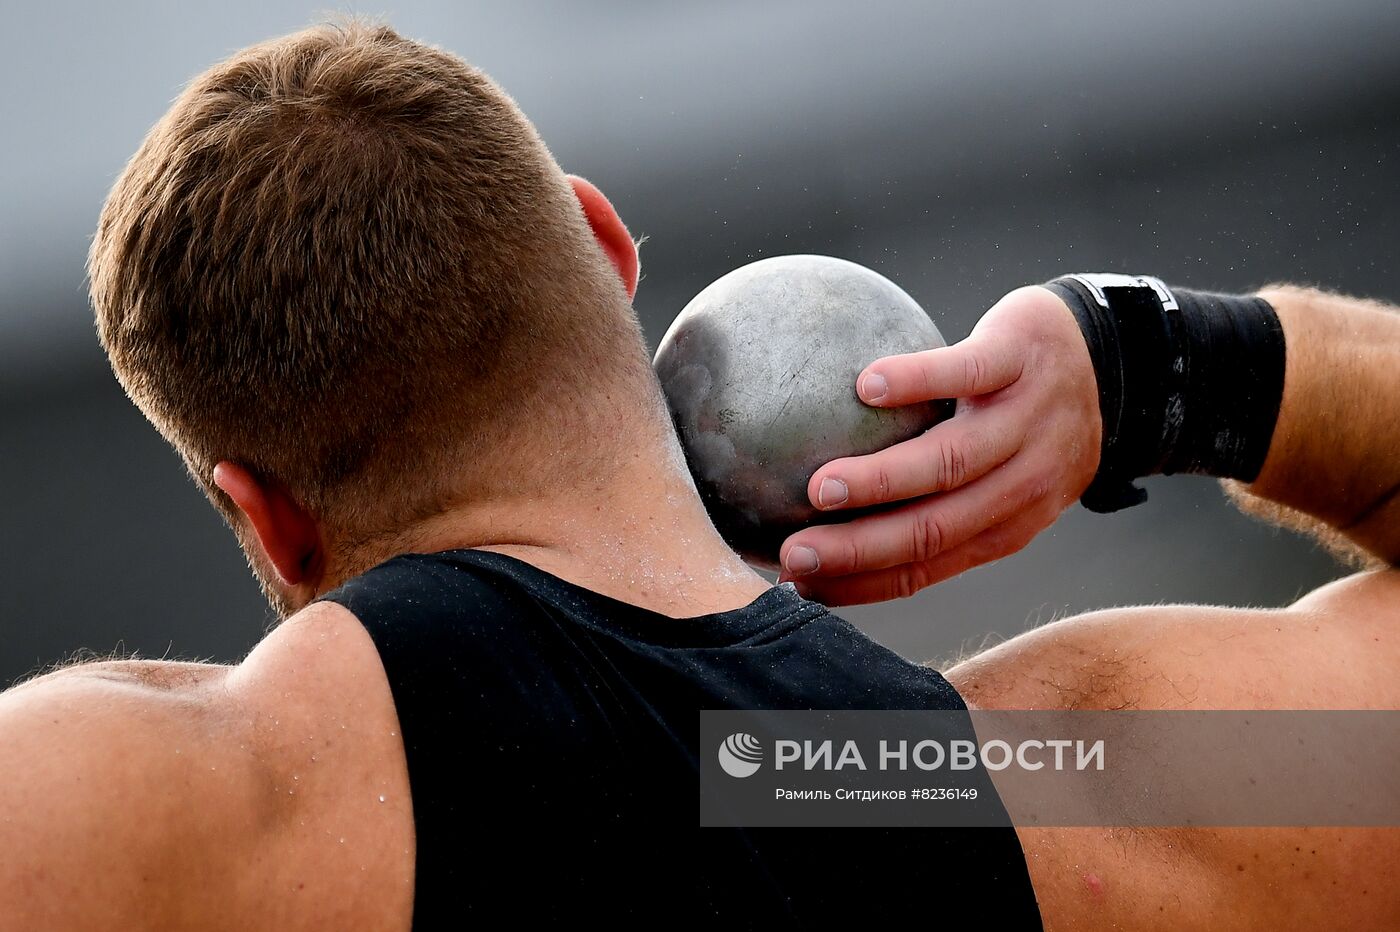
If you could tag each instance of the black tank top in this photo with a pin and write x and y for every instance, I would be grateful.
(551, 735)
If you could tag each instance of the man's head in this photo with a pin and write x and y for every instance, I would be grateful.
(347, 281)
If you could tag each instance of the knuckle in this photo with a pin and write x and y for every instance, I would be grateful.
(881, 483)
(951, 466)
(928, 377)
(926, 537)
(911, 579)
(848, 553)
(902, 585)
(974, 371)
(1034, 488)
(983, 445)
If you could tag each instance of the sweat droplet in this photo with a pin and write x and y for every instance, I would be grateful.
(381, 799)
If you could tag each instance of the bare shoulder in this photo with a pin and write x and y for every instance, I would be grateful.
(1329, 649)
(148, 793)
(1337, 647)
(323, 717)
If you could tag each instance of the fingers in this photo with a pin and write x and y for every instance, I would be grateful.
(903, 581)
(947, 456)
(975, 366)
(918, 531)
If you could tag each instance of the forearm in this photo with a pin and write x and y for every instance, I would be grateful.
(1335, 452)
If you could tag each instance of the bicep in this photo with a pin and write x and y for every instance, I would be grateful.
(110, 789)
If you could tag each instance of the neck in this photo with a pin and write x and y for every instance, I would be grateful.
(639, 534)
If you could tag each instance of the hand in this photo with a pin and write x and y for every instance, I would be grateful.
(1022, 447)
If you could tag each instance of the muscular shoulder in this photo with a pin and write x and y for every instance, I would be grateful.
(101, 765)
(1321, 652)
(149, 793)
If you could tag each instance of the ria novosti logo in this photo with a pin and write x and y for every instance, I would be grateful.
(740, 755)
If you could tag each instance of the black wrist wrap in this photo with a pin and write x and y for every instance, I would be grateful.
(1188, 381)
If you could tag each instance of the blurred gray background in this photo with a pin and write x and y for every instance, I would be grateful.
(961, 149)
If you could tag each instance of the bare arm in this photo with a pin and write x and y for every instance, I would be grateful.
(1333, 457)
(1024, 445)
(1335, 454)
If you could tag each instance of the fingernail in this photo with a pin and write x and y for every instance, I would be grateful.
(832, 492)
(801, 561)
(873, 386)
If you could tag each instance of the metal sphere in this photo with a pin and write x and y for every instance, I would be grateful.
(759, 371)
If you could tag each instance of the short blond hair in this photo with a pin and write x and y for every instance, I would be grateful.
(326, 260)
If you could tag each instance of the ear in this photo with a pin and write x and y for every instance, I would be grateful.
(610, 231)
(286, 533)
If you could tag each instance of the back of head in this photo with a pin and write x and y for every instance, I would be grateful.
(346, 261)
